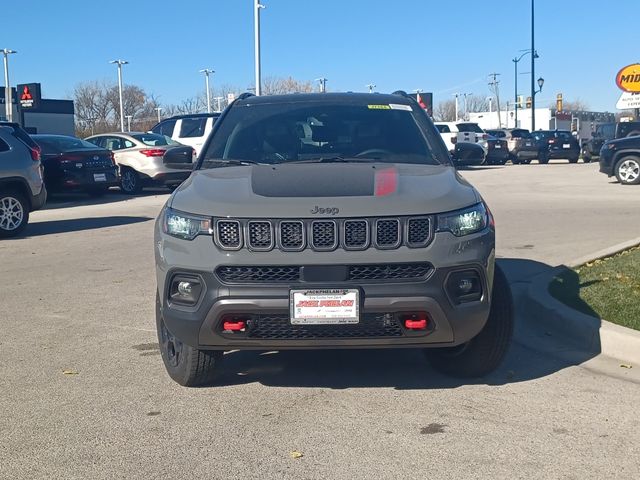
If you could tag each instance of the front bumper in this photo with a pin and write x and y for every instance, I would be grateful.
(606, 162)
(381, 301)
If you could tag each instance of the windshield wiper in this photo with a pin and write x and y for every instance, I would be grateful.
(231, 161)
(336, 159)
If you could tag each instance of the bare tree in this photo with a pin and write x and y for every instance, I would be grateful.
(572, 105)
(278, 85)
(477, 103)
(445, 111)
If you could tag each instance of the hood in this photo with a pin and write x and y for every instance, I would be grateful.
(324, 190)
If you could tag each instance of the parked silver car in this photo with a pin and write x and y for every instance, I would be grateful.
(22, 188)
(140, 158)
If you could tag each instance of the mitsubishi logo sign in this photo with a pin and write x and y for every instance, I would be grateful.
(29, 95)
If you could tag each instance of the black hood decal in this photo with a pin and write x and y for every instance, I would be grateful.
(314, 180)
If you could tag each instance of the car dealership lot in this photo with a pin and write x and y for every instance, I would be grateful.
(78, 296)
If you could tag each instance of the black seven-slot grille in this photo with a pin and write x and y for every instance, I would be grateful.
(323, 235)
(398, 272)
(279, 327)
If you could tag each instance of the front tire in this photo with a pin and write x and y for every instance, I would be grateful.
(14, 213)
(186, 365)
(483, 353)
(628, 170)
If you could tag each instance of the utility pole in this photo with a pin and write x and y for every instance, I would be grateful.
(219, 99)
(256, 31)
(533, 71)
(370, 86)
(157, 109)
(456, 95)
(8, 101)
(466, 110)
(494, 84)
(129, 117)
(323, 84)
(120, 63)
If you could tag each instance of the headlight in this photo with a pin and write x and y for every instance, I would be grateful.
(184, 225)
(464, 222)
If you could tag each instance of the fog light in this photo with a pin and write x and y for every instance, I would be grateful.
(185, 290)
(464, 286)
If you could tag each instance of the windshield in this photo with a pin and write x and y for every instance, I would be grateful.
(63, 144)
(153, 139)
(298, 132)
(469, 127)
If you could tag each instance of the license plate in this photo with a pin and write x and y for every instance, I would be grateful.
(324, 307)
(99, 177)
(498, 146)
(566, 145)
(528, 144)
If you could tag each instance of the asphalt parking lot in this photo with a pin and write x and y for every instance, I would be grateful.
(77, 296)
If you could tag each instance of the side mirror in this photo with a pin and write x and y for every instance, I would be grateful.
(180, 158)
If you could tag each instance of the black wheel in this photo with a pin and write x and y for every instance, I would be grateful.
(543, 158)
(573, 160)
(14, 213)
(186, 365)
(97, 191)
(483, 353)
(130, 182)
(628, 170)
(527, 161)
(586, 156)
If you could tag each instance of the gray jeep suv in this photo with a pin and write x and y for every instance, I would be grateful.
(22, 189)
(327, 221)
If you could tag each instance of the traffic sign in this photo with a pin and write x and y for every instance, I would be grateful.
(628, 100)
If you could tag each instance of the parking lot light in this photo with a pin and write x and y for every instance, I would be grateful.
(120, 63)
(206, 72)
(8, 102)
(256, 26)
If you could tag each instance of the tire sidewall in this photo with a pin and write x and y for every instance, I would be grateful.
(136, 181)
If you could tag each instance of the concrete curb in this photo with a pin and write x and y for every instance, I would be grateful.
(586, 332)
(606, 252)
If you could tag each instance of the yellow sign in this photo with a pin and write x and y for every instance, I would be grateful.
(379, 107)
(628, 79)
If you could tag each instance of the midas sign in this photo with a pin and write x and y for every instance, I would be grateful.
(628, 79)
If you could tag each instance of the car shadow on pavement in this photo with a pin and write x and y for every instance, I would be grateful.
(77, 224)
(535, 352)
(75, 199)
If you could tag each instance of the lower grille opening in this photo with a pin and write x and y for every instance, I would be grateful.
(278, 327)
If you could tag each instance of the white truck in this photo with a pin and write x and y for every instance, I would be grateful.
(463, 139)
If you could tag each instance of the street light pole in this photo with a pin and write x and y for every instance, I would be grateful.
(515, 95)
(533, 72)
(256, 30)
(8, 101)
(120, 63)
(206, 72)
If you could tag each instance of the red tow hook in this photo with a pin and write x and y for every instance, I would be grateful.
(416, 324)
(234, 326)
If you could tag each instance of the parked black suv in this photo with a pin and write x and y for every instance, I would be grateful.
(557, 144)
(621, 157)
(605, 132)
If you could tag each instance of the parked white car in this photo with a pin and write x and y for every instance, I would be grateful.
(454, 132)
(192, 130)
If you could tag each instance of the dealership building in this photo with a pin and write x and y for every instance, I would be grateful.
(37, 114)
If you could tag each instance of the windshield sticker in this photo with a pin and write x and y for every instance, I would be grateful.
(397, 106)
(378, 107)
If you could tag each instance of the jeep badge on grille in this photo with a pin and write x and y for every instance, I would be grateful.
(325, 211)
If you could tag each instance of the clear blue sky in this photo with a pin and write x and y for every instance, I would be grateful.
(437, 46)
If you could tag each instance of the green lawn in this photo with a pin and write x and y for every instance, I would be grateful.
(607, 288)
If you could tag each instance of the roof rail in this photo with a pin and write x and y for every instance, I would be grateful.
(244, 95)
